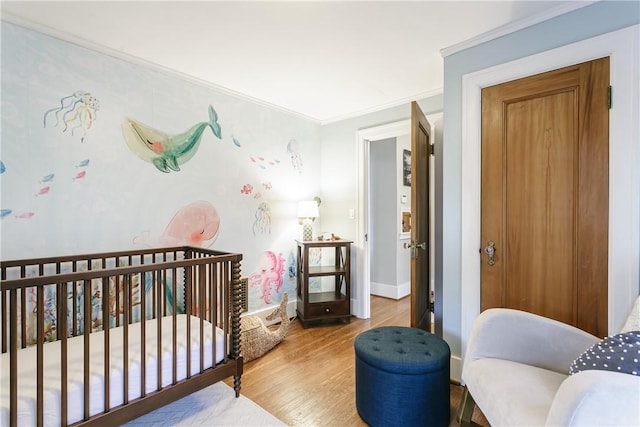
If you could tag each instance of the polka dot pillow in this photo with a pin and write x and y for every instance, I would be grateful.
(618, 353)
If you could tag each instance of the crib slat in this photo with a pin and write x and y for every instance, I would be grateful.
(107, 344)
(157, 283)
(174, 334)
(125, 338)
(189, 298)
(143, 337)
(86, 322)
(40, 355)
(62, 336)
(213, 278)
(5, 337)
(13, 358)
(23, 309)
(203, 310)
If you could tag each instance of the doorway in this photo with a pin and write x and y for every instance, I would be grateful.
(361, 307)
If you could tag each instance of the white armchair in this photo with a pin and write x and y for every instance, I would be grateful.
(516, 368)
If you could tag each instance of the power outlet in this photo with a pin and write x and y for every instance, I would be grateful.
(352, 213)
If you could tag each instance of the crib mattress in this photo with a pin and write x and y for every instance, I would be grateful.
(75, 390)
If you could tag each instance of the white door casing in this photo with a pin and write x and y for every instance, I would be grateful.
(624, 174)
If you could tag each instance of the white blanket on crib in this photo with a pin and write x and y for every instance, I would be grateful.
(75, 391)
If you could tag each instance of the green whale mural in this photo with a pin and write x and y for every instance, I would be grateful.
(167, 152)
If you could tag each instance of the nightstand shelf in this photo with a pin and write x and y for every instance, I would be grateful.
(334, 304)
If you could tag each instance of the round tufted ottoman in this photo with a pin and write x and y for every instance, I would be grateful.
(402, 377)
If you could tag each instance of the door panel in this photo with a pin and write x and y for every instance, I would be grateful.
(545, 195)
(420, 274)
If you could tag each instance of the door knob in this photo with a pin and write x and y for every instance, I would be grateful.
(414, 246)
(490, 250)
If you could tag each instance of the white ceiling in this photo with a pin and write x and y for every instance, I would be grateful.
(324, 60)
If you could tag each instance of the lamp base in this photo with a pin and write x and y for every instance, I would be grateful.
(307, 232)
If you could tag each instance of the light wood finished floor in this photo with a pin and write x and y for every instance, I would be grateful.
(309, 379)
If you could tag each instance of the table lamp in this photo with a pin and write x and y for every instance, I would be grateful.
(307, 212)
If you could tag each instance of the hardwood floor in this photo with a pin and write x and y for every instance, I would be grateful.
(308, 380)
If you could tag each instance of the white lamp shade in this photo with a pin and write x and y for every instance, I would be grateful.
(308, 209)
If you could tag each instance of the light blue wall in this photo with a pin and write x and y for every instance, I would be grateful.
(383, 173)
(71, 184)
(584, 23)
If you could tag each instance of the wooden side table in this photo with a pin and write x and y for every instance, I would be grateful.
(334, 304)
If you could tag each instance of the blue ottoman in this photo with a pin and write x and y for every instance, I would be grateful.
(402, 377)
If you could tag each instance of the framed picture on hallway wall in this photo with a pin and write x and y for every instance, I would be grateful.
(406, 168)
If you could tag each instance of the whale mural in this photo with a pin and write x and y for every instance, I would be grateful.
(167, 152)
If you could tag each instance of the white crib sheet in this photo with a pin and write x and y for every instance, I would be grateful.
(75, 391)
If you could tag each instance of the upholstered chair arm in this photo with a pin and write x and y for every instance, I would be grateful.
(526, 338)
(595, 397)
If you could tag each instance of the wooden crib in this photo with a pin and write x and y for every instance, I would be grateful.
(104, 338)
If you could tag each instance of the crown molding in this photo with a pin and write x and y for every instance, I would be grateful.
(114, 53)
(380, 107)
(515, 26)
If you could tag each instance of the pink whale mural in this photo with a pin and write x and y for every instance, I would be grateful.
(196, 224)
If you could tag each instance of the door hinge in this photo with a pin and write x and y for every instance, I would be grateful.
(609, 97)
(432, 307)
(432, 149)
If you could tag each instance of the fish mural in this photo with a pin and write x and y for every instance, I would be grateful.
(47, 178)
(3, 168)
(167, 152)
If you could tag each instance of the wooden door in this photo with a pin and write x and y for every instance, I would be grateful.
(545, 195)
(420, 249)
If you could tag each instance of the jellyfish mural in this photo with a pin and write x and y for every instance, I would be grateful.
(78, 110)
(271, 272)
(167, 152)
(293, 148)
(196, 224)
(262, 223)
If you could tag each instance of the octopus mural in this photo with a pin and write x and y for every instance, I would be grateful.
(167, 152)
(271, 268)
(78, 110)
(196, 224)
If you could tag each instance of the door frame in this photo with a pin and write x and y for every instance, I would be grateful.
(361, 303)
(624, 177)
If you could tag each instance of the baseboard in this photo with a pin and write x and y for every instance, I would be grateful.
(390, 291)
(455, 372)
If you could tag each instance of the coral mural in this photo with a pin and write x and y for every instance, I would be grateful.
(76, 296)
(167, 152)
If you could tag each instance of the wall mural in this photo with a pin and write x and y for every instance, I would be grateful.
(167, 152)
(271, 268)
(196, 224)
(293, 148)
(77, 198)
(78, 110)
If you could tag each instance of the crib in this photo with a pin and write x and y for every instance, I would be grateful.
(104, 338)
